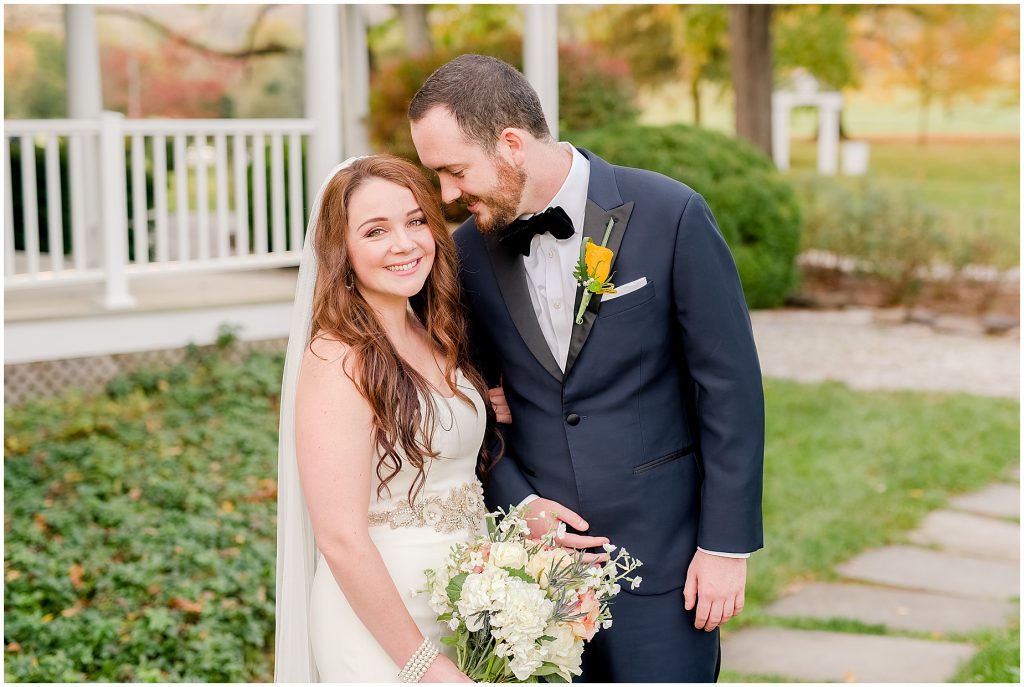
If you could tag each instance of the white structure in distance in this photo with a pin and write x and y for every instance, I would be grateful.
(804, 91)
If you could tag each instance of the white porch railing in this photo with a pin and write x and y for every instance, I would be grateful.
(208, 210)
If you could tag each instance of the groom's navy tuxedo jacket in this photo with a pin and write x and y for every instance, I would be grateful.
(655, 431)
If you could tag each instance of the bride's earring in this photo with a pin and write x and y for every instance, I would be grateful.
(350, 280)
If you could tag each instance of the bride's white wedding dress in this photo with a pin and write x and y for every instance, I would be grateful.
(411, 539)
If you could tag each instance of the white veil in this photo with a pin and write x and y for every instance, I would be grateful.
(296, 550)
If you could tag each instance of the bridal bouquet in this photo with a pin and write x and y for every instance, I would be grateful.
(521, 609)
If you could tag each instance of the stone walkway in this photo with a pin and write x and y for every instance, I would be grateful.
(958, 574)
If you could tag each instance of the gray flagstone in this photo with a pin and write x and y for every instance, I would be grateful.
(841, 657)
(999, 500)
(970, 534)
(897, 609)
(914, 568)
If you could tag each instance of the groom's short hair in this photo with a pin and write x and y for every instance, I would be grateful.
(485, 95)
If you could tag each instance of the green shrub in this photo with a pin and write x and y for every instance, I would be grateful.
(140, 527)
(894, 236)
(756, 209)
(594, 89)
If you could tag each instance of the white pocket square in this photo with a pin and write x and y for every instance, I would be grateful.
(625, 288)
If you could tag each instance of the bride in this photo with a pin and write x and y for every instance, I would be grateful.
(382, 420)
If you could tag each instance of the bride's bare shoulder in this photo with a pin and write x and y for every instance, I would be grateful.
(325, 353)
(326, 385)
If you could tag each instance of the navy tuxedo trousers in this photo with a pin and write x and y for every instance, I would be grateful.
(652, 639)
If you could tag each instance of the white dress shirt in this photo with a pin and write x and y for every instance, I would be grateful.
(551, 261)
(549, 268)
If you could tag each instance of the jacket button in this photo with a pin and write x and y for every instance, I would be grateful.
(573, 419)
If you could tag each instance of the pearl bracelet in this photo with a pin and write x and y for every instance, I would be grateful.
(419, 662)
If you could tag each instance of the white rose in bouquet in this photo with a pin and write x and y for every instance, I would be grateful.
(508, 554)
(540, 564)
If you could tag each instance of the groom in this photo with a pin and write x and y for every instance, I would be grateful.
(643, 422)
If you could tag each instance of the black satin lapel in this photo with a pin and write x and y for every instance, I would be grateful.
(511, 277)
(595, 221)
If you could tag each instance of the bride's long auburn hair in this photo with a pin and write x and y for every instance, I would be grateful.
(390, 385)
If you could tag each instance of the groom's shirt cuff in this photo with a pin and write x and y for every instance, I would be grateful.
(723, 554)
(525, 501)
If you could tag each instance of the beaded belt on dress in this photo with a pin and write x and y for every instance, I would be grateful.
(461, 509)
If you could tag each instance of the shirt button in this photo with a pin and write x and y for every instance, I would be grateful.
(551, 255)
(558, 305)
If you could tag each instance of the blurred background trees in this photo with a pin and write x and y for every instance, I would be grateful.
(914, 78)
(246, 60)
(943, 53)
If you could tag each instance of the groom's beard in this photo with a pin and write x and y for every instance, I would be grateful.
(501, 208)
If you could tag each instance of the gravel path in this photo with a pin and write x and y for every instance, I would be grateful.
(852, 347)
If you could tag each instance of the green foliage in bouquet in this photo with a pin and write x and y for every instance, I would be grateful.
(756, 209)
(139, 527)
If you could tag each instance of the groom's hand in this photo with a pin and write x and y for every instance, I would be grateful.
(502, 413)
(542, 515)
(716, 585)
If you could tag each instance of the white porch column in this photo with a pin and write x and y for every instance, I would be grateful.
(781, 106)
(323, 94)
(828, 133)
(85, 101)
(115, 211)
(355, 65)
(85, 97)
(540, 58)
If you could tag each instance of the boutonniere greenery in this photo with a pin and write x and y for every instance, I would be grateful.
(592, 269)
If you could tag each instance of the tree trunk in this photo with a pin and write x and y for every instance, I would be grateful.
(417, 30)
(925, 104)
(695, 95)
(751, 56)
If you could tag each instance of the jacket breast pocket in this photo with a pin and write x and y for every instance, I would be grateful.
(626, 302)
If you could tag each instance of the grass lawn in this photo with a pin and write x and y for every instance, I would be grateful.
(865, 113)
(139, 526)
(847, 471)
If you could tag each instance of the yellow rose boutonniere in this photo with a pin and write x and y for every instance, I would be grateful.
(592, 270)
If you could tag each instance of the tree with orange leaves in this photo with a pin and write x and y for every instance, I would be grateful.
(943, 52)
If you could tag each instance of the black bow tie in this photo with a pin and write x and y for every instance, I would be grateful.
(553, 220)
